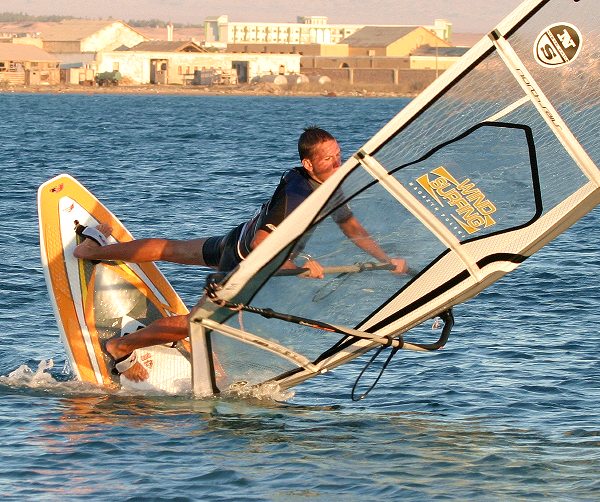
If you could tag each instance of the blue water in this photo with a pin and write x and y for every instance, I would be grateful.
(509, 410)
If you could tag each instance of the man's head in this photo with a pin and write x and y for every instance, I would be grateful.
(319, 153)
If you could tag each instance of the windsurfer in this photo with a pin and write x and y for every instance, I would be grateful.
(320, 157)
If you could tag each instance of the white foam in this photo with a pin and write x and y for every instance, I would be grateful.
(267, 391)
(40, 378)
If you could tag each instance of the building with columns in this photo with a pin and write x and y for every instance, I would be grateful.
(219, 31)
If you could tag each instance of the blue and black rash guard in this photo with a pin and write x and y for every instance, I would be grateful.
(295, 186)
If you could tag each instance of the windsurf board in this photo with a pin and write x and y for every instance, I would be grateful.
(94, 302)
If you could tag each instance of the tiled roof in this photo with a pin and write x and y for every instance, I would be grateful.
(19, 52)
(163, 46)
(377, 36)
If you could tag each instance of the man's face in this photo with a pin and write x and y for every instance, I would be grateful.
(324, 161)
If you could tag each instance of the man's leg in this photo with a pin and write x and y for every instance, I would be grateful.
(163, 330)
(187, 252)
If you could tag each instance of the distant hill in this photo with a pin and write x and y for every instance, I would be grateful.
(21, 17)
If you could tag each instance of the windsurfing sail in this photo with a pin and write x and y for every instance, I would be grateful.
(491, 162)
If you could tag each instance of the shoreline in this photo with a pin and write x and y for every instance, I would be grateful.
(261, 89)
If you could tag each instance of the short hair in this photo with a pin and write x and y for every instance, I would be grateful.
(311, 137)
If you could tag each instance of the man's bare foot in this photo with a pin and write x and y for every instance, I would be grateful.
(87, 249)
(137, 372)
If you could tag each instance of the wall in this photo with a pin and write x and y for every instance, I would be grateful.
(69, 58)
(354, 62)
(302, 49)
(136, 65)
(35, 42)
(77, 76)
(42, 75)
(13, 77)
(111, 37)
(432, 63)
(403, 79)
(70, 46)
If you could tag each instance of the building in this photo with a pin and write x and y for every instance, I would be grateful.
(219, 31)
(77, 40)
(391, 41)
(88, 36)
(23, 64)
(177, 63)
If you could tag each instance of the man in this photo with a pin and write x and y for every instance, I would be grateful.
(320, 157)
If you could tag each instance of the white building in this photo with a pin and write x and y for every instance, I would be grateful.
(76, 40)
(147, 64)
(219, 31)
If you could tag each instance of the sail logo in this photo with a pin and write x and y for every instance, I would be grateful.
(473, 210)
(557, 45)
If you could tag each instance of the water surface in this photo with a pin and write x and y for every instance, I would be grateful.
(508, 410)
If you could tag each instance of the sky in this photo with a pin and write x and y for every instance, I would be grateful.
(467, 16)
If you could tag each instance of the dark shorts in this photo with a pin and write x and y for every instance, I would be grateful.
(221, 252)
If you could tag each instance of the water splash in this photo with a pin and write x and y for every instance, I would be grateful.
(267, 391)
(25, 376)
(41, 378)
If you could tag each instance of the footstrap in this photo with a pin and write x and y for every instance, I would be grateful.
(91, 233)
(124, 363)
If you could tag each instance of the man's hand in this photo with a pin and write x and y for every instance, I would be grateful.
(315, 270)
(400, 264)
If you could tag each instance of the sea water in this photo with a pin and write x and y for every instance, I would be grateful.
(510, 409)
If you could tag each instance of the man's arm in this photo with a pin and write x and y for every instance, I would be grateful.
(353, 229)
